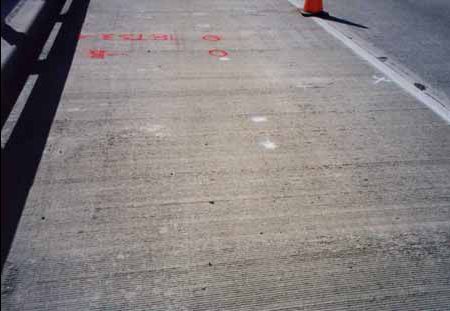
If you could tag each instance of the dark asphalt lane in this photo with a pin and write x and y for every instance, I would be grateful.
(415, 33)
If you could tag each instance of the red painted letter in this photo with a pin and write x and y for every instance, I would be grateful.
(132, 37)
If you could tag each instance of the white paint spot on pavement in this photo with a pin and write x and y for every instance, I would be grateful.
(224, 59)
(258, 119)
(268, 144)
(156, 129)
(380, 79)
(151, 128)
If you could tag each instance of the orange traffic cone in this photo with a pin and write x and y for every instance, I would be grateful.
(312, 7)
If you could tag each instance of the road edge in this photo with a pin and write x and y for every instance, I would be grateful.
(427, 97)
(403, 77)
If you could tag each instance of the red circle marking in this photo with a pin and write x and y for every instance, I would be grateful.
(218, 53)
(211, 37)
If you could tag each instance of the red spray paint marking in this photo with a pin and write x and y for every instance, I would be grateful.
(107, 36)
(159, 37)
(101, 54)
(132, 37)
(129, 36)
(211, 38)
(218, 53)
(98, 54)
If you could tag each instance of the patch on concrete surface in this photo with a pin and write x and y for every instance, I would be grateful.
(266, 143)
(259, 119)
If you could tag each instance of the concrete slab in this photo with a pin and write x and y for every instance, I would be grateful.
(284, 177)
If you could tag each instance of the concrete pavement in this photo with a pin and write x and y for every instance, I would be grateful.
(224, 155)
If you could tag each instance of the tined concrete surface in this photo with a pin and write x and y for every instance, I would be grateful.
(269, 170)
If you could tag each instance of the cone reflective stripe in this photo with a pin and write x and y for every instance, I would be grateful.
(312, 7)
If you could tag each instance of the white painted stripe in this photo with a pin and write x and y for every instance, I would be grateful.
(380, 79)
(408, 86)
(18, 107)
(403, 82)
(295, 3)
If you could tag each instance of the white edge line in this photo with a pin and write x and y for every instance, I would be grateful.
(295, 3)
(409, 87)
(429, 101)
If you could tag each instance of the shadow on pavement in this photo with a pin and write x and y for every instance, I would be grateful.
(8, 6)
(28, 47)
(12, 36)
(22, 153)
(328, 17)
